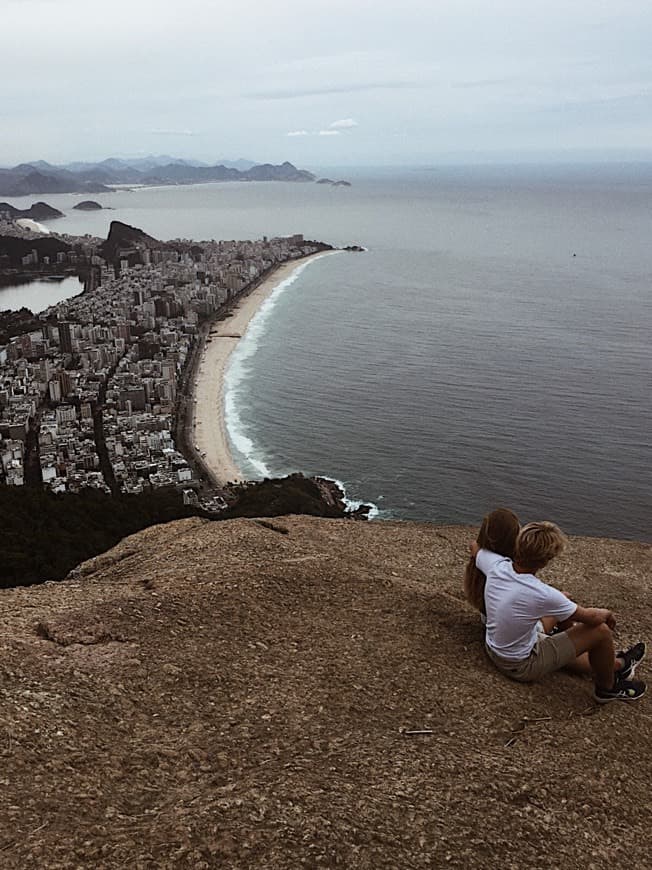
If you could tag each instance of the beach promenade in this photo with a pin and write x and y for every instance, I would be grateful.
(209, 431)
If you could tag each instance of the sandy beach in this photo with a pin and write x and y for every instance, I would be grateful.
(209, 434)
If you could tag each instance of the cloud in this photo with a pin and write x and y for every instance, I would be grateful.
(287, 94)
(343, 124)
(172, 133)
(328, 132)
(333, 129)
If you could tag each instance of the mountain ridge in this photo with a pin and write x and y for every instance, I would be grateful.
(42, 177)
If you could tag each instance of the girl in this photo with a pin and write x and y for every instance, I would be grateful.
(497, 533)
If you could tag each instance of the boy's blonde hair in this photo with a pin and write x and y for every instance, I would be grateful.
(538, 543)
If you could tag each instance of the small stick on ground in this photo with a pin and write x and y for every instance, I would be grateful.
(590, 711)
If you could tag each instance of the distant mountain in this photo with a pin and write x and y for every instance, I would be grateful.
(36, 182)
(124, 164)
(41, 165)
(179, 173)
(285, 172)
(118, 164)
(113, 164)
(152, 161)
(80, 177)
(25, 180)
(240, 164)
(26, 168)
(184, 174)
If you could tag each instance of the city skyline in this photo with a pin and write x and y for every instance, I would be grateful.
(336, 85)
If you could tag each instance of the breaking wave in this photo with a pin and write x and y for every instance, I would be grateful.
(247, 454)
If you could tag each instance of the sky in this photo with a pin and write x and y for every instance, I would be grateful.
(327, 82)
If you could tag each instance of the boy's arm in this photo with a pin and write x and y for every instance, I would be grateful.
(594, 616)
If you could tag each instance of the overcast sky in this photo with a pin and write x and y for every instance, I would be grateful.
(326, 82)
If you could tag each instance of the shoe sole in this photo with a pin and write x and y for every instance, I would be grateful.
(627, 700)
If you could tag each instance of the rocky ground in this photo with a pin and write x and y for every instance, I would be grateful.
(240, 695)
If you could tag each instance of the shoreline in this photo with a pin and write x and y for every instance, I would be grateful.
(210, 439)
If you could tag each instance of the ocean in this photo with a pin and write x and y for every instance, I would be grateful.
(490, 347)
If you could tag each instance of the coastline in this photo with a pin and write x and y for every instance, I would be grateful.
(210, 440)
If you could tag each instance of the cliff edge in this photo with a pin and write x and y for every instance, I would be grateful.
(240, 694)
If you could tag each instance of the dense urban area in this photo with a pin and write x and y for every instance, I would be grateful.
(95, 392)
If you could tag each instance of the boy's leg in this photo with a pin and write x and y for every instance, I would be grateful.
(598, 642)
(582, 665)
(551, 654)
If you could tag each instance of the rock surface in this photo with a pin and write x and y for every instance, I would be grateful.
(238, 695)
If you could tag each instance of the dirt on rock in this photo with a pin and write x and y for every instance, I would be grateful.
(238, 695)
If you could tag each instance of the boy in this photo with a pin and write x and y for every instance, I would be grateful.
(516, 600)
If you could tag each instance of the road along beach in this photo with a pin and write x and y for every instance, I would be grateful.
(209, 432)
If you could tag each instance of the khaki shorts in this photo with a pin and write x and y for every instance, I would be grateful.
(549, 654)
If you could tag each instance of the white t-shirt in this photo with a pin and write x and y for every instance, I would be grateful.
(515, 603)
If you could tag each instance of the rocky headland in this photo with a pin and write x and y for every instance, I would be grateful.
(308, 692)
(123, 235)
(46, 534)
(38, 211)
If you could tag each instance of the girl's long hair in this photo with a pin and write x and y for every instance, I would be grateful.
(497, 533)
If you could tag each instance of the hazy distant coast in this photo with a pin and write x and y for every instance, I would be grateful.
(42, 177)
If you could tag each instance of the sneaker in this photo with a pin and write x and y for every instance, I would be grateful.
(631, 658)
(622, 690)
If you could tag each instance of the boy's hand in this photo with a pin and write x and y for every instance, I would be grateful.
(598, 615)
